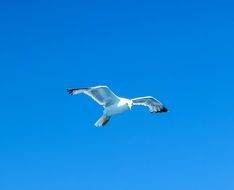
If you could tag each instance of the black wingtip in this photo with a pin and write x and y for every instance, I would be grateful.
(70, 90)
(164, 109)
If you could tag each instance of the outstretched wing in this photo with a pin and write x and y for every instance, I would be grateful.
(101, 94)
(153, 104)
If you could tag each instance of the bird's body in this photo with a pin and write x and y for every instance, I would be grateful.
(119, 107)
(115, 105)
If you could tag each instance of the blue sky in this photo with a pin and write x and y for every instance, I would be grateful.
(181, 52)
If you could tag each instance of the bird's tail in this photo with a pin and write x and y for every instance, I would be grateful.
(102, 121)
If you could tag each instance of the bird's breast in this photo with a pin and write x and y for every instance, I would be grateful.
(115, 109)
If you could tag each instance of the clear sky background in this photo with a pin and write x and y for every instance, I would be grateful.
(181, 52)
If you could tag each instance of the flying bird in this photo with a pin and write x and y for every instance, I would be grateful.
(115, 105)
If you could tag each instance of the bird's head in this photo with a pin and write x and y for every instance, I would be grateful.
(129, 104)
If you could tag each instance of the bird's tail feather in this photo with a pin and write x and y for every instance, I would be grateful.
(102, 121)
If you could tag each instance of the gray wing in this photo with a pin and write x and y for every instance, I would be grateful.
(153, 104)
(101, 94)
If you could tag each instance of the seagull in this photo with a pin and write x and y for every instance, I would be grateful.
(115, 105)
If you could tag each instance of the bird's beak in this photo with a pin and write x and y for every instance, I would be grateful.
(130, 106)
